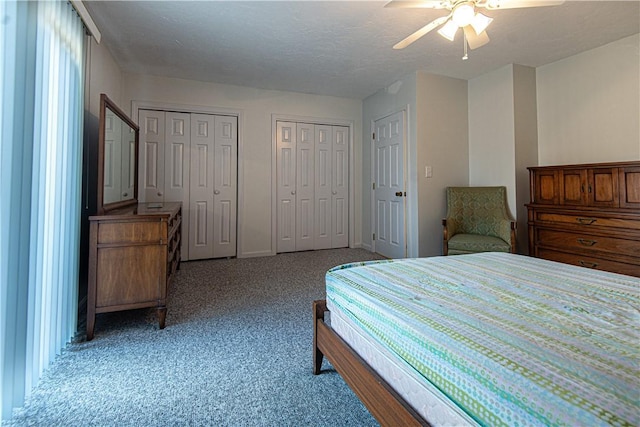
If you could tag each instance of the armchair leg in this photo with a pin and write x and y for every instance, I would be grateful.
(445, 238)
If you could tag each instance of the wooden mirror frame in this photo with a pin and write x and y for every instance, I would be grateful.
(103, 208)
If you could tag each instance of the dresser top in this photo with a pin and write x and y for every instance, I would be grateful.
(141, 210)
(631, 163)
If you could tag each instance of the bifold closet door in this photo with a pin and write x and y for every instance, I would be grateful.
(213, 201)
(305, 187)
(323, 178)
(340, 188)
(312, 191)
(296, 186)
(286, 136)
(165, 141)
(192, 158)
(332, 187)
(112, 150)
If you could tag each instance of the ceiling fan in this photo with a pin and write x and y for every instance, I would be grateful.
(462, 14)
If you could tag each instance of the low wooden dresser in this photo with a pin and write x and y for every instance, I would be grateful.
(134, 253)
(587, 215)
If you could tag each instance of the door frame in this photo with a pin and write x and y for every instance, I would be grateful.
(137, 105)
(408, 188)
(316, 121)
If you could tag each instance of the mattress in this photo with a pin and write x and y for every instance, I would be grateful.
(504, 339)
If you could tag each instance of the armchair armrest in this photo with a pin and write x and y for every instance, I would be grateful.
(448, 231)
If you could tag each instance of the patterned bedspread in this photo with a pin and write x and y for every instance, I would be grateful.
(512, 340)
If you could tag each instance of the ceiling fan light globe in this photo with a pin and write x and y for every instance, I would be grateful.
(449, 30)
(463, 14)
(480, 22)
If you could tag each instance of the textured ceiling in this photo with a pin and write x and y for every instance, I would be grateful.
(340, 48)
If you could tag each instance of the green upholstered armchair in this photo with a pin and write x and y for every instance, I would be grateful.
(478, 220)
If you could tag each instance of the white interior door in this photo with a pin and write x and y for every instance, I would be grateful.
(389, 193)
(200, 209)
(340, 188)
(176, 167)
(286, 186)
(323, 186)
(112, 150)
(312, 168)
(305, 187)
(128, 167)
(225, 188)
(151, 158)
(193, 159)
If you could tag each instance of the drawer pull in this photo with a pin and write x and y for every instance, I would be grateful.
(588, 264)
(587, 242)
(586, 221)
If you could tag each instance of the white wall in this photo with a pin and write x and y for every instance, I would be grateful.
(257, 107)
(104, 76)
(399, 96)
(437, 136)
(443, 144)
(492, 132)
(589, 106)
(526, 145)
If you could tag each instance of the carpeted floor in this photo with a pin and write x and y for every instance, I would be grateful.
(237, 351)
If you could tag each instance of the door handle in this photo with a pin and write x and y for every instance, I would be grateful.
(160, 193)
(216, 191)
(293, 193)
(399, 193)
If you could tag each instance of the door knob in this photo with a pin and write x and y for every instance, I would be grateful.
(293, 193)
(125, 194)
(159, 193)
(334, 192)
(399, 193)
(216, 191)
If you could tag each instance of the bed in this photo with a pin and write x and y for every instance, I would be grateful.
(483, 339)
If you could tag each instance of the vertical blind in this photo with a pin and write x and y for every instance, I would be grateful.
(41, 114)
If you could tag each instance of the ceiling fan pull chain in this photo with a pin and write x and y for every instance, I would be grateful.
(464, 40)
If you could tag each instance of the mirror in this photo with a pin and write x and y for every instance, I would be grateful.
(117, 158)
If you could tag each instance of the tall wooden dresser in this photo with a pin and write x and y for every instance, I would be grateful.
(134, 253)
(587, 215)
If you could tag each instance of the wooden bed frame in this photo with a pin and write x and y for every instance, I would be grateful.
(384, 403)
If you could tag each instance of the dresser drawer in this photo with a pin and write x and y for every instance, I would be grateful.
(586, 242)
(589, 262)
(131, 232)
(586, 220)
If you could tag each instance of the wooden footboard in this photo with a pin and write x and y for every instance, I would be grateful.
(384, 403)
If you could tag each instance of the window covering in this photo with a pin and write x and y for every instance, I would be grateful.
(41, 121)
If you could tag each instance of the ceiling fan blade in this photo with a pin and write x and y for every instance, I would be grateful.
(425, 4)
(421, 32)
(514, 4)
(475, 40)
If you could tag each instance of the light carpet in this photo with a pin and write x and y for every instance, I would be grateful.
(236, 351)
